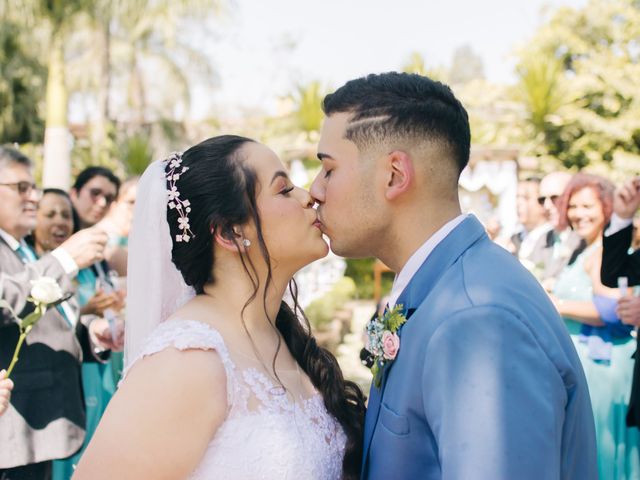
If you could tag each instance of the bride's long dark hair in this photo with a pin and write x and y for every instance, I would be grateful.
(222, 192)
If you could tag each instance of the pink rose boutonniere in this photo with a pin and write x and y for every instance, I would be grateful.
(382, 341)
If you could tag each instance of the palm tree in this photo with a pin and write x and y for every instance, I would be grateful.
(539, 88)
(308, 107)
(21, 79)
(141, 31)
(56, 19)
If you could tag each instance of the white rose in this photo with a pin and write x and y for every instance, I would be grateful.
(45, 290)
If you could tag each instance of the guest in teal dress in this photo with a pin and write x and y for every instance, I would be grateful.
(117, 223)
(93, 192)
(604, 344)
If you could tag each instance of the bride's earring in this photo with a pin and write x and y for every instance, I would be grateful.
(246, 243)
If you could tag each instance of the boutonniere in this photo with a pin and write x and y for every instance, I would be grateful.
(382, 342)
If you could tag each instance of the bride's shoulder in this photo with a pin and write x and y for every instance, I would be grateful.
(184, 333)
(179, 339)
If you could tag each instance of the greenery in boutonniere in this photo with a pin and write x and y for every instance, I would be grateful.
(382, 341)
(45, 293)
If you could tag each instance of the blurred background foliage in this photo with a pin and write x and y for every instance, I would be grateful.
(126, 67)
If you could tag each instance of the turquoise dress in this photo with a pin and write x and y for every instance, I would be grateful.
(97, 384)
(609, 380)
(117, 358)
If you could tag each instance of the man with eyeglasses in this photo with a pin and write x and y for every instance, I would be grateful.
(553, 250)
(45, 417)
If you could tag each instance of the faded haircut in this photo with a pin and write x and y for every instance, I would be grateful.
(403, 108)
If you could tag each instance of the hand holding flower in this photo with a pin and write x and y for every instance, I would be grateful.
(45, 292)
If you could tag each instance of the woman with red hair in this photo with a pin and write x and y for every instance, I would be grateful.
(604, 344)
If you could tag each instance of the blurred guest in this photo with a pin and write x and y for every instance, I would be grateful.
(45, 417)
(533, 225)
(53, 227)
(92, 194)
(553, 250)
(618, 262)
(6, 385)
(54, 221)
(117, 223)
(603, 342)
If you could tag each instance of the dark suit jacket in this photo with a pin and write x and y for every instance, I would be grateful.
(46, 418)
(617, 262)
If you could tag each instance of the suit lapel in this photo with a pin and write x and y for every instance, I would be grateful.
(443, 256)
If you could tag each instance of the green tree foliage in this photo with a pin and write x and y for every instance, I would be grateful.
(308, 106)
(22, 78)
(579, 78)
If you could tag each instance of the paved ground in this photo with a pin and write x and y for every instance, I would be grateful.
(349, 352)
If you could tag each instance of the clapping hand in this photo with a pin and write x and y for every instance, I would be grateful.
(102, 301)
(626, 200)
(101, 335)
(86, 246)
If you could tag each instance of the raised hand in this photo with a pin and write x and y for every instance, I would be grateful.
(86, 247)
(627, 198)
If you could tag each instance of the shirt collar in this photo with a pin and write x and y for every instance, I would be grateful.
(12, 242)
(418, 258)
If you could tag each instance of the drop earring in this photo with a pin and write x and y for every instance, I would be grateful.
(246, 242)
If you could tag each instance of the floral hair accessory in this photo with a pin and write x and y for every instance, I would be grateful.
(174, 170)
(382, 341)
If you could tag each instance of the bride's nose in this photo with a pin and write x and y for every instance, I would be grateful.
(306, 199)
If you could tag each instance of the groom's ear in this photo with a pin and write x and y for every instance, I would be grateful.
(400, 172)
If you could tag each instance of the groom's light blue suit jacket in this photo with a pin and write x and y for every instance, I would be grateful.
(487, 383)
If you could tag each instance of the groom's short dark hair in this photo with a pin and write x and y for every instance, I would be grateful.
(403, 105)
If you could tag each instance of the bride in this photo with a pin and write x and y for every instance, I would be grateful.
(222, 378)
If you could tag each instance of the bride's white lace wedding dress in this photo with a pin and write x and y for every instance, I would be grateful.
(264, 436)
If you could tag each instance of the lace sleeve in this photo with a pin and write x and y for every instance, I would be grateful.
(185, 335)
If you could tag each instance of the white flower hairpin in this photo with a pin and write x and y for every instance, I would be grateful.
(182, 206)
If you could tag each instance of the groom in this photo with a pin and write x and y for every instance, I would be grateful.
(486, 383)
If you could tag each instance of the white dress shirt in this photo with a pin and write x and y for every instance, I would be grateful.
(418, 258)
(616, 224)
(68, 264)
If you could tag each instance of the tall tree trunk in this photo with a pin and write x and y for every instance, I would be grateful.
(101, 122)
(57, 139)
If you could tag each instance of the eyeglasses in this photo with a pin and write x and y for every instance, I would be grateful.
(97, 193)
(553, 198)
(24, 188)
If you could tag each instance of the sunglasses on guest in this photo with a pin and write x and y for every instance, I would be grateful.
(553, 198)
(96, 193)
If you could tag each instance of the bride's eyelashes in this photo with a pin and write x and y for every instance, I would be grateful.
(287, 191)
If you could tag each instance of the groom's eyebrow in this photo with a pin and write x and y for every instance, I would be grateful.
(279, 173)
(324, 156)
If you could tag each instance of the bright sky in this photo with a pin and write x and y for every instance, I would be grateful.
(265, 47)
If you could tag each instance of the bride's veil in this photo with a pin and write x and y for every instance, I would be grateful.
(155, 287)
